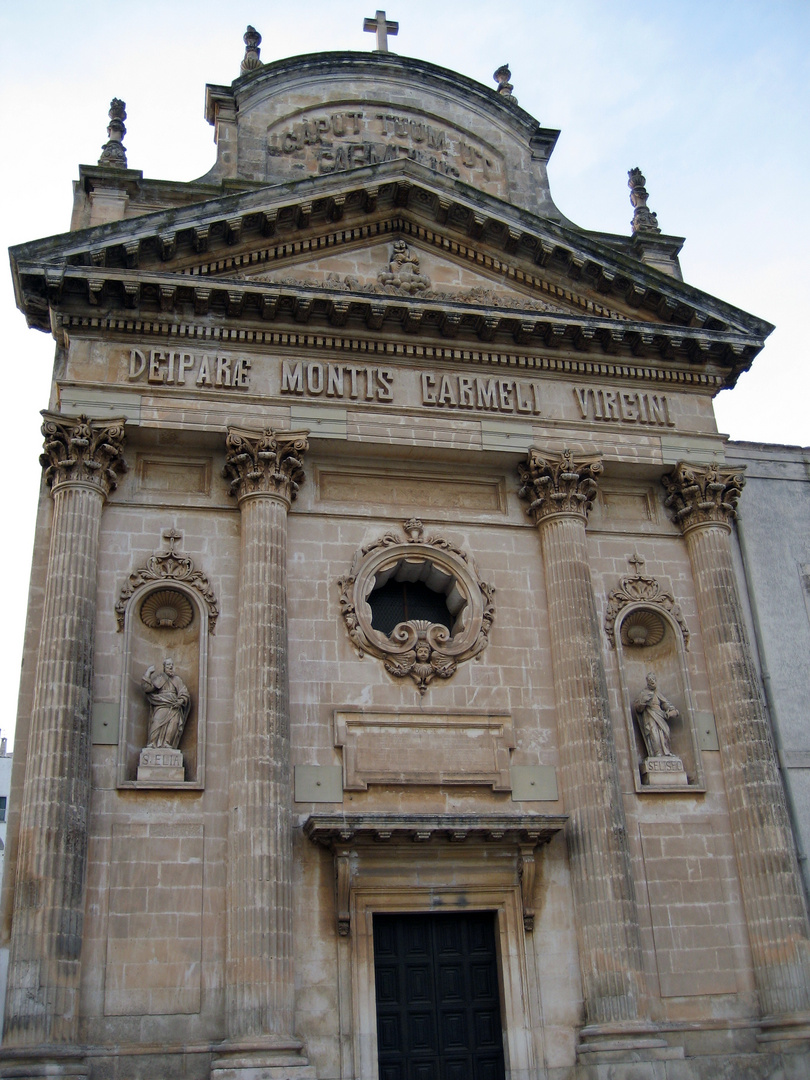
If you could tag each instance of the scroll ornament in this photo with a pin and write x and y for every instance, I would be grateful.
(643, 592)
(703, 494)
(558, 485)
(83, 451)
(169, 566)
(418, 649)
(264, 462)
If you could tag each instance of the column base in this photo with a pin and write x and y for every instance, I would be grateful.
(605, 1044)
(785, 1035)
(34, 1063)
(270, 1058)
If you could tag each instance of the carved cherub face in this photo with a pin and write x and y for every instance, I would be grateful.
(422, 653)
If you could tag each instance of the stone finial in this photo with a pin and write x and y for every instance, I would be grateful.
(703, 494)
(252, 39)
(265, 462)
(505, 88)
(82, 451)
(644, 220)
(382, 27)
(114, 153)
(558, 485)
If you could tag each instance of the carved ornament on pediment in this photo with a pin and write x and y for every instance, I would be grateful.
(558, 485)
(170, 568)
(79, 450)
(403, 274)
(642, 626)
(703, 494)
(417, 648)
(479, 296)
(264, 462)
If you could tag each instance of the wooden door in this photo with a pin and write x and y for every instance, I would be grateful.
(438, 1006)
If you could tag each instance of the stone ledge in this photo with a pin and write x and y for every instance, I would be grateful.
(331, 829)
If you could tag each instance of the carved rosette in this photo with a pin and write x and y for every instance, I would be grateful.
(642, 592)
(82, 451)
(169, 567)
(264, 462)
(416, 649)
(558, 485)
(703, 495)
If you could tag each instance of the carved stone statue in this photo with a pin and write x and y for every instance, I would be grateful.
(403, 271)
(653, 711)
(169, 702)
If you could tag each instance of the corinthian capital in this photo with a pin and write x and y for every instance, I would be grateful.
(264, 462)
(81, 451)
(703, 494)
(558, 485)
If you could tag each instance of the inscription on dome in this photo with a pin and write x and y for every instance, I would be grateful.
(354, 137)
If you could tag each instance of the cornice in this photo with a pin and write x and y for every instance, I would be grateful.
(202, 334)
(137, 301)
(227, 226)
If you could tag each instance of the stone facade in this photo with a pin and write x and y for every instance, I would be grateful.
(418, 486)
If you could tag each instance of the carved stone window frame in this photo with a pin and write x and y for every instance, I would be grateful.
(165, 570)
(417, 649)
(639, 599)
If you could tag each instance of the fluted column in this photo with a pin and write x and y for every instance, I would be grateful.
(560, 492)
(81, 460)
(703, 501)
(265, 470)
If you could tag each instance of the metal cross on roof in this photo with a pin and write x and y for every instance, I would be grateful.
(383, 28)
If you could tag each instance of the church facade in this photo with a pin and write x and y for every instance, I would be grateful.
(392, 710)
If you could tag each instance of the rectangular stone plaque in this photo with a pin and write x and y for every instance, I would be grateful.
(706, 731)
(154, 928)
(534, 783)
(318, 783)
(663, 772)
(161, 765)
(424, 748)
(105, 723)
(685, 865)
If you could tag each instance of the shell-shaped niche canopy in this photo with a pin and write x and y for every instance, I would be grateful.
(167, 608)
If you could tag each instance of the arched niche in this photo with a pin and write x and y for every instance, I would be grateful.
(649, 634)
(166, 610)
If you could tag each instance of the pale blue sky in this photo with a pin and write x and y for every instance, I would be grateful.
(710, 99)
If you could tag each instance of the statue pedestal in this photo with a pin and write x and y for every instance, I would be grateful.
(161, 765)
(663, 772)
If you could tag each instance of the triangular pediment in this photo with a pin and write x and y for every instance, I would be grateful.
(322, 250)
(415, 271)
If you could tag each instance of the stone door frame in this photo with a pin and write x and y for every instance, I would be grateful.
(406, 890)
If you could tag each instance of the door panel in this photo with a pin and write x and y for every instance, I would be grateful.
(438, 1010)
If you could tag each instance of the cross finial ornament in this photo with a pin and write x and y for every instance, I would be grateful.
(637, 561)
(382, 28)
(171, 536)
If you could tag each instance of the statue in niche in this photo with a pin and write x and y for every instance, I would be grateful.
(653, 712)
(169, 702)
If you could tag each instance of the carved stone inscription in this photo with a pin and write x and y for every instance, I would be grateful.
(379, 384)
(627, 407)
(353, 137)
(176, 368)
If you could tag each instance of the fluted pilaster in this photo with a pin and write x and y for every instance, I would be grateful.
(81, 460)
(703, 501)
(560, 492)
(264, 470)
